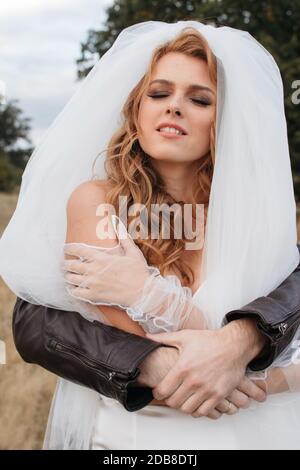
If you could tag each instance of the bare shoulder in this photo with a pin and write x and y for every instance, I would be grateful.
(87, 215)
(88, 194)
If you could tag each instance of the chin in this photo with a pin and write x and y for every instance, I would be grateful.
(168, 158)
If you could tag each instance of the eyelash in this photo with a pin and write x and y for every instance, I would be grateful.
(199, 102)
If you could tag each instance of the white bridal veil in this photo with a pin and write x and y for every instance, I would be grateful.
(251, 237)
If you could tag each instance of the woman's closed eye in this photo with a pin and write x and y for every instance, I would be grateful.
(201, 101)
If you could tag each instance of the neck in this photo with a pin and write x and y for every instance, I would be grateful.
(178, 178)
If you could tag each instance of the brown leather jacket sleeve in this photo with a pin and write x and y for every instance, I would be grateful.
(92, 354)
(277, 316)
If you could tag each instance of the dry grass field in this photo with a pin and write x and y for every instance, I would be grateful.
(25, 389)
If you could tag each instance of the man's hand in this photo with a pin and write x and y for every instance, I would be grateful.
(158, 364)
(211, 365)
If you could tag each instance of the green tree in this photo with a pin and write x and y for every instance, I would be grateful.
(10, 176)
(14, 130)
(124, 13)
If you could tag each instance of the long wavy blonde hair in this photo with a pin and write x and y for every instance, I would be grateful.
(130, 172)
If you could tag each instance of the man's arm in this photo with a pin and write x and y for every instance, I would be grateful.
(92, 354)
(40, 334)
(276, 316)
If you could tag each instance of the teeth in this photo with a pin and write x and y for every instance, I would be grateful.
(172, 130)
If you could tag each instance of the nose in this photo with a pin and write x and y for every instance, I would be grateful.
(174, 110)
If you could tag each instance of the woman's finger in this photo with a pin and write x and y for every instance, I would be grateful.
(79, 292)
(207, 408)
(74, 266)
(239, 399)
(84, 251)
(252, 390)
(74, 279)
(227, 407)
(214, 414)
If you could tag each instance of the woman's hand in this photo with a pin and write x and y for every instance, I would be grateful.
(276, 381)
(241, 397)
(120, 276)
(106, 275)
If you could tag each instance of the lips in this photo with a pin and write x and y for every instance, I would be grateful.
(171, 135)
(169, 124)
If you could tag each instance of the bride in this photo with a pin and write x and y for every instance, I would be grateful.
(203, 126)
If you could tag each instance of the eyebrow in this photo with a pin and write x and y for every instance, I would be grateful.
(190, 87)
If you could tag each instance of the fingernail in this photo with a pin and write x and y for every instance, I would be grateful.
(121, 229)
(114, 221)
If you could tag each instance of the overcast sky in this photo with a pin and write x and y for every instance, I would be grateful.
(39, 45)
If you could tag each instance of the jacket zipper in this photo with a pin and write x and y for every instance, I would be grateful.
(282, 326)
(56, 345)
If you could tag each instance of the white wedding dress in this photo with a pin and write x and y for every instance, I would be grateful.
(268, 425)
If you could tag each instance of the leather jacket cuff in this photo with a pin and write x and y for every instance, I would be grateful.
(278, 331)
(277, 316)
(132, 396)
(279, 335)
(268, 353)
